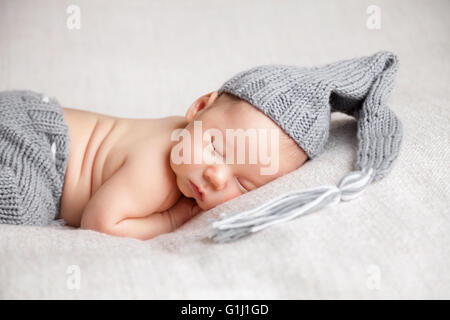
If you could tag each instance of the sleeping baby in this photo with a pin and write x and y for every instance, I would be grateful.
(123, 179)
(140, 178)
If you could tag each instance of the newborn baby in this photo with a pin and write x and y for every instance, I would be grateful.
(144, 177)
(121, 178)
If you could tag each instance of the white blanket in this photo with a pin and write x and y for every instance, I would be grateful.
(153, 59)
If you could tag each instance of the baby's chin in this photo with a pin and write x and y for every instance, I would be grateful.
(204, 206)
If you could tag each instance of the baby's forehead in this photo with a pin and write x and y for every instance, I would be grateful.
(240, 115)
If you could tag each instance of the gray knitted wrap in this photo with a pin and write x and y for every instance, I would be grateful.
(34, 152)
(300, 100)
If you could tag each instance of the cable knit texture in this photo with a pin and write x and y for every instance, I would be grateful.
(34, 151)
(300, 100)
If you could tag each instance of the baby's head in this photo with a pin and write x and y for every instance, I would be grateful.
(228, 148)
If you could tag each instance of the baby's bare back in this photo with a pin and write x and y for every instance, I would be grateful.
(103, 146)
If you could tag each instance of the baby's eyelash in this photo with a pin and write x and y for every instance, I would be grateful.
(241, 186)
(212, 144)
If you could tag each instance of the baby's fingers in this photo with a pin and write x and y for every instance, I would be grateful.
(195, 210)
(177, 216)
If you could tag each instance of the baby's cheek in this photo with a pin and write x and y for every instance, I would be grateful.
(231, 195)
(221, 198)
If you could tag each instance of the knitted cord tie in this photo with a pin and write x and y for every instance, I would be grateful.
(289, 206)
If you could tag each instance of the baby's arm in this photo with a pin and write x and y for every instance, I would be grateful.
(157, 223)
(126, 206)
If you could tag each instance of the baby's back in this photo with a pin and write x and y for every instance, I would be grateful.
(100, 145)
(88, 142)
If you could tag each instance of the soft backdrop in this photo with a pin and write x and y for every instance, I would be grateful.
(153, 59)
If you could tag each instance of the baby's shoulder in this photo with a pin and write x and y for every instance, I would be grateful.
(148, 164)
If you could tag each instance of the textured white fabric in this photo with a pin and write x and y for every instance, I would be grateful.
(391, 242)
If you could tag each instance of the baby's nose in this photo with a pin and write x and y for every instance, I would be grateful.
(215, 176)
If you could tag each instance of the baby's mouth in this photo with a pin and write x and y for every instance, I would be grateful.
(196, 190)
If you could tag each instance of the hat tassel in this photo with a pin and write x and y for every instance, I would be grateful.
(289, 206)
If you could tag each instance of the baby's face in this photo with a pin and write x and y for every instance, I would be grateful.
(214, 167)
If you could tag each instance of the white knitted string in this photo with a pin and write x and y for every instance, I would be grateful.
(289, 206)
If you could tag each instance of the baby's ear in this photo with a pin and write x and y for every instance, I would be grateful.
(201, 103)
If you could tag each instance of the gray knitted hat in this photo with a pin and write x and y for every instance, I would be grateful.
(300, 100)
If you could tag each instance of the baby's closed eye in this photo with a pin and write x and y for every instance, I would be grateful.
(241, 185)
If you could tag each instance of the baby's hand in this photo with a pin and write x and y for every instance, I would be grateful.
(182, 211)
